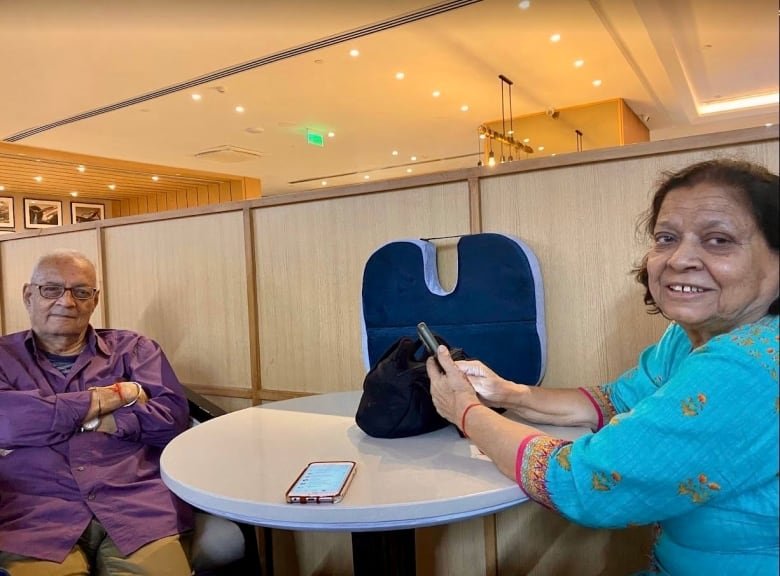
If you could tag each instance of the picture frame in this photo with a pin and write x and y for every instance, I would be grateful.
(6, 212)
(83, 212)
(42, 213)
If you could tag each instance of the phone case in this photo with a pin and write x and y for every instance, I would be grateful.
(298, 493)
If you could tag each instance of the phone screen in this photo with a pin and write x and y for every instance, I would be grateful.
(321, 482)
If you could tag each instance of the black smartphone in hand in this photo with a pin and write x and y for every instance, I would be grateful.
(429, 340)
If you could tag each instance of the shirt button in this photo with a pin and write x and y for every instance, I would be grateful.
(80, 468)
(91, 496)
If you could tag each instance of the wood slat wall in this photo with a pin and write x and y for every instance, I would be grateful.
(259, 300)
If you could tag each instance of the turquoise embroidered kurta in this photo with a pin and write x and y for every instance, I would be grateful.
(690, 443)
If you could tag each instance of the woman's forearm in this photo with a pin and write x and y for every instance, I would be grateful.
(556, 406)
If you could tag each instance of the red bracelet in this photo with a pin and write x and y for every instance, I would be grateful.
(463, 418)
(118, 389)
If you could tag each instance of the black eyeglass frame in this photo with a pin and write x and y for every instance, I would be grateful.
(63, 289)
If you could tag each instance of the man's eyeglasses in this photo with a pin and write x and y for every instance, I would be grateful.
(53, 291)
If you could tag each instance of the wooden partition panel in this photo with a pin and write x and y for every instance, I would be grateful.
(310, 260)
(183, 282)
(17, 258)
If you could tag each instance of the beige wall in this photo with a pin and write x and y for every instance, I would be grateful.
(260, 300)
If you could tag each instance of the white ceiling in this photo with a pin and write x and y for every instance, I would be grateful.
(59, 59)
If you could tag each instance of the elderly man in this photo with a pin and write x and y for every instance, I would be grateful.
(84, 416)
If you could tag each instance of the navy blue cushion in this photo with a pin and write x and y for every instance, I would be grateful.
(495, 312)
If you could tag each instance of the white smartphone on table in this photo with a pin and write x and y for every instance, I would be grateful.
(321, 483)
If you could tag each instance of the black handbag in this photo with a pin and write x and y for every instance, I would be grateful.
(396, 400)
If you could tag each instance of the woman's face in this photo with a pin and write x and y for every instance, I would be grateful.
(710, 267)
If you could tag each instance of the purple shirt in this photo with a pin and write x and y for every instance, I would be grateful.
(56, 478)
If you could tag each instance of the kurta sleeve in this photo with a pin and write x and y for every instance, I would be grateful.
(622, 394)
(707, 433)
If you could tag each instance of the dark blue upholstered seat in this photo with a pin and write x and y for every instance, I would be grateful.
(495, 312)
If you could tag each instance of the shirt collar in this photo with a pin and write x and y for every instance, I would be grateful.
(94, 342)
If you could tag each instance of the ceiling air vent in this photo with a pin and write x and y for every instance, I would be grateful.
(229, 154)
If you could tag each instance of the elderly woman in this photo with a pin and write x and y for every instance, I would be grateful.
(688, 438)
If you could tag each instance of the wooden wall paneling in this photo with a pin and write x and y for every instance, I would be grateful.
(18, 258)
(173, 200)
(475, 206)
(125, 207)
(225, 192)
(203, 195)
(181, 198)
(309, 262)
(457, 549)
(183, 283)
(534, 541)
(236, 190)
(213, 193)
(151, 202)
(192, 197)
(162, 201)
(580, 223)
(252, 187)
(311, 553)
(252, 297)
(143, 205)
(132, 204)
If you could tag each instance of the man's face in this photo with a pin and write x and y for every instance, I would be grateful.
(63, 317)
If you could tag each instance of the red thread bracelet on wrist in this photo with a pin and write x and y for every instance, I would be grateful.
(463, 417)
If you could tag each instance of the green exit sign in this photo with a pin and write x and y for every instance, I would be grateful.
(315, 138)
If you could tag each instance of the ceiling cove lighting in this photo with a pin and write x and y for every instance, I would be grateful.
(738, 103)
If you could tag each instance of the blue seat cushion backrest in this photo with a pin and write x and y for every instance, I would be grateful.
(495, 312)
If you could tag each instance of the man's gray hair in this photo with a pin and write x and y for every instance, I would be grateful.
(59, 255)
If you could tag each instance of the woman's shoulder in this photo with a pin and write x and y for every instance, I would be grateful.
(759, 340)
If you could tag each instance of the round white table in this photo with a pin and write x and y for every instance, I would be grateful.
(240, 465)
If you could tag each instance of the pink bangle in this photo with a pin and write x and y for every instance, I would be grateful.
(463, 418)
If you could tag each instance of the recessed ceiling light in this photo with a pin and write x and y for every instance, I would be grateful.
(464, 108)
(155, 178)
(196, 97)
(414, 158)
(768, 125)
(555, 38)
(526, 140)
(74, 193)
(436, 93)
(394, 152)
(112, 186)
(541, 148)
(331, 134)
(400, 75)
(524, 5)
(80, 168)
(481, 136)
(366, 177)
(239, 109)
(579, 63)
(409, 170)
(597, 83)
(324, 183)
(354, 53)
(2, 188)
(553, 154)
(38, 178)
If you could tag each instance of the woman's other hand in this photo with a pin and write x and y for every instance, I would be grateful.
(451, 390)
(492, 389)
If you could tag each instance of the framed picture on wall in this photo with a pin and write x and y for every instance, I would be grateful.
(42, 213)
(6, 212)
(80, 212)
